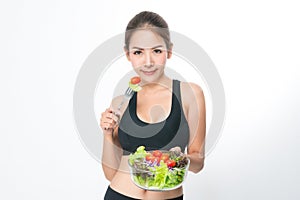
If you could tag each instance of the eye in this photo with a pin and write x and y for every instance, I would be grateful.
(137, 52)
(157, 51)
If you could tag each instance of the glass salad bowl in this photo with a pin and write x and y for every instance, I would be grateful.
(158, 170)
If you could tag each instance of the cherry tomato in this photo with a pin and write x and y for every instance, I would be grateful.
(157, 153)
(135, 80)
(164, 157)
(150, 157)
(171, 163)
(156, 160)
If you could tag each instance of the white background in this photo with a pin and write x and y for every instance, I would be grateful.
(255, 46)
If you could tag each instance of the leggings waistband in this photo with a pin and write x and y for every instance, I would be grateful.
(114, 195)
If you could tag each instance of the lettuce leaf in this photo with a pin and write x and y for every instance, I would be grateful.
(161, 173)
(135, 87)
(139, 154)
(165, 177)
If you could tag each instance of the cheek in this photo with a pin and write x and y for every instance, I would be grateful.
(136, 63)
(161, 59)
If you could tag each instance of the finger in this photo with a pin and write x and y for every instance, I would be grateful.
(113, 116)
(106, 126)
(108, 121)
(106, 116)
(108, 131)
(110, 110)
(178, 149)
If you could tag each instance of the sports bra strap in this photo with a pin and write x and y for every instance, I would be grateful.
(176, 90)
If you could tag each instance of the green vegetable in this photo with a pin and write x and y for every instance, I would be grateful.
(163, 177)
(161, 174)
(157, 176)
(135, 87)
(139, 154)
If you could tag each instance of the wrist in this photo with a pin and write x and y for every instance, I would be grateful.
(108, 136)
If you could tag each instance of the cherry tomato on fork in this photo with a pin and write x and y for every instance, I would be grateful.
(135, 80)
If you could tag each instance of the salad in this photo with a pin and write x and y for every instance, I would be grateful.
(158, 170)
(134, 83)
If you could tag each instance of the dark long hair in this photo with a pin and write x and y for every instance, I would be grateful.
(151, 21)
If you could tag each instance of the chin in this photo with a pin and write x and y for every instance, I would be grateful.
(151, 79)
(148, 79)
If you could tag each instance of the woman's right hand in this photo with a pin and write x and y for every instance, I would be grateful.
(108, 121)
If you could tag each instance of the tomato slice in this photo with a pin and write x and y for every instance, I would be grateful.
(135, 80)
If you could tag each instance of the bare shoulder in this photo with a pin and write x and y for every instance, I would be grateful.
(190, 91)
(192, 98)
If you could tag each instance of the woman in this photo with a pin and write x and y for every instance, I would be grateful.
(177, 107)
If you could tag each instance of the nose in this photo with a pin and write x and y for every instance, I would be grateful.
(148, 59)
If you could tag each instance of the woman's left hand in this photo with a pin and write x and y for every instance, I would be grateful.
(177, 149)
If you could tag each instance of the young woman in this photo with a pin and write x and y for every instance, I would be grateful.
(165, 114)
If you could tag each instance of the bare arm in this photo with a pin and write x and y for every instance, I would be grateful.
(111, 154)
(112, 151)
(196, 118)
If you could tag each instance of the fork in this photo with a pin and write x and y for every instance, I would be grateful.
(127, 95)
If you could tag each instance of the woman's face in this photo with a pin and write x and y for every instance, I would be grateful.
(148, 55)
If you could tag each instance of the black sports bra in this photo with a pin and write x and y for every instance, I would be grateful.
(173, 131)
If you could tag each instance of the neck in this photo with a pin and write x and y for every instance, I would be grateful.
(162, 83)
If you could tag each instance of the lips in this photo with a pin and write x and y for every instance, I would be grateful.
(148, 73)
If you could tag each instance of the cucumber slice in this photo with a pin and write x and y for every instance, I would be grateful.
(135, 87)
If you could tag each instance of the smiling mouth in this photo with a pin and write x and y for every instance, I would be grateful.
(149, 73)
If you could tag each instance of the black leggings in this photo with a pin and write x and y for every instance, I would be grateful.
(114, 195)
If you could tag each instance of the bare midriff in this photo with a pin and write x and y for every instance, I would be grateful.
(123, 184)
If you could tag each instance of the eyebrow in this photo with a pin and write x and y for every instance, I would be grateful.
(147, 48)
